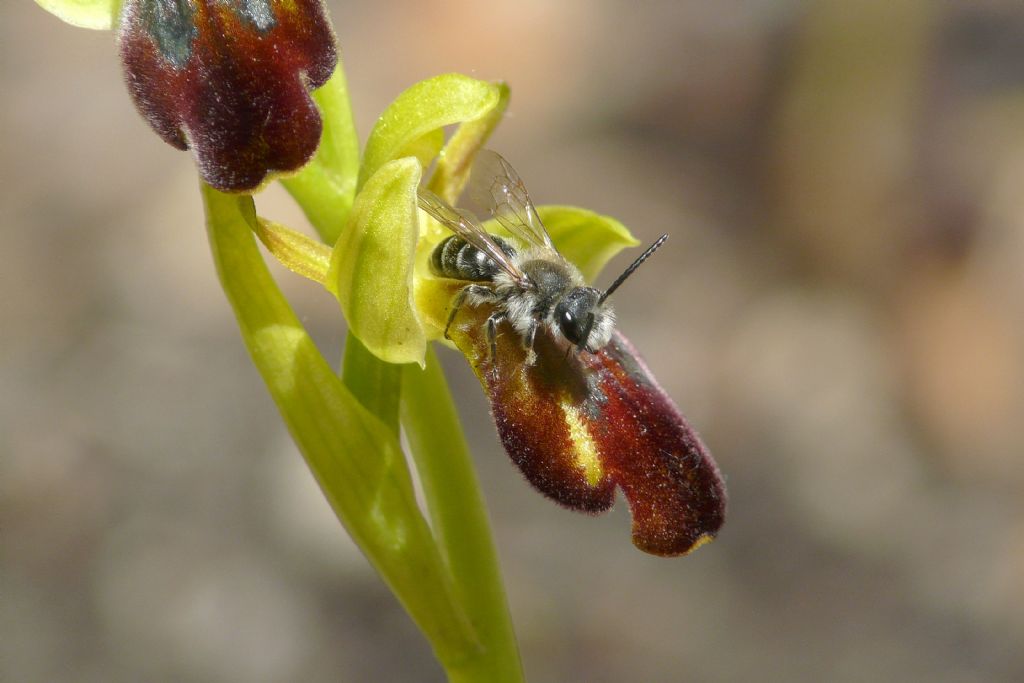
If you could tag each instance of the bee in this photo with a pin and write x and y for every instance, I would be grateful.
(531, 285)
(598, 422)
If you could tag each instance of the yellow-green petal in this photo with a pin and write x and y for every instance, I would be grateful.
(95, 14)
(372, 265)
(296, 252)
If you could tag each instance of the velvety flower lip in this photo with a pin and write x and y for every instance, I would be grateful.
(578, 425)
(230, 79)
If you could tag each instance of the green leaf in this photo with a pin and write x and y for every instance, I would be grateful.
(372, 265)
(420, 110)
(326, 186)
(95, 14)
(356, 459)
(587, 239)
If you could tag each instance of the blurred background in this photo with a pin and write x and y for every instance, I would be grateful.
(840, 312)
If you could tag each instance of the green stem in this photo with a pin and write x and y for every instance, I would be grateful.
(460, 522)
(326, 187)
(357, 459)
(375, 383)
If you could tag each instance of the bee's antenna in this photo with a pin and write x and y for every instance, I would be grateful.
(633, 266)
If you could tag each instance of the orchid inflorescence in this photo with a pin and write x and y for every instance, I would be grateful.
(254, 90)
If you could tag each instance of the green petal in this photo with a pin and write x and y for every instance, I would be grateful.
(585, 238)
(296, 252)
(355, 458)
(372, 265)
(422, 109)
(97, 14)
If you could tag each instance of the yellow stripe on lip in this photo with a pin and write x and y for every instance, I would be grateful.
(585, 449)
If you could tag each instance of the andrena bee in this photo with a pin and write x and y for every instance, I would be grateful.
(531, 285)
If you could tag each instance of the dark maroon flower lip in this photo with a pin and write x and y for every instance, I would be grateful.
(230, 79)
(580, 425)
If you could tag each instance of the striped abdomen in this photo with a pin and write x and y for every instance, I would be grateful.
(457, 259)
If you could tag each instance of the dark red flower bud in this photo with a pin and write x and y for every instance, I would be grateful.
(230, 79)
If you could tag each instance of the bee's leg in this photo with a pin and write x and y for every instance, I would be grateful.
(492, 331)
(476, 290)
(531, 335)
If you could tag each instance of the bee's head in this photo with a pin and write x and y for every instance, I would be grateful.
(585, 319)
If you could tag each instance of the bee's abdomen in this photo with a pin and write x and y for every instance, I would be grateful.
(457, 259)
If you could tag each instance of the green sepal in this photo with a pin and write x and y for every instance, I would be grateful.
(371, 270)
(325, 187)
(425, 147)
(95, 14)
(356, 459)
(422, 109)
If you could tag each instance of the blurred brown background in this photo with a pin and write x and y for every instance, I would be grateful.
(840, 311)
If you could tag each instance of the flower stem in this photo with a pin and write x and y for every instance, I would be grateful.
(459, 519)
(355, 457)
(375, 383)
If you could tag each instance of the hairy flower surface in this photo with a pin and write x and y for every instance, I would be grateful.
(230, 80)
(578, 425)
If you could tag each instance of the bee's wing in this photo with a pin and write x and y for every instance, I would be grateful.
(465, 225)
(496, 185)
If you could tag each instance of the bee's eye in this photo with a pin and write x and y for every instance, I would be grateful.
(575, 314)
(568, 323)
